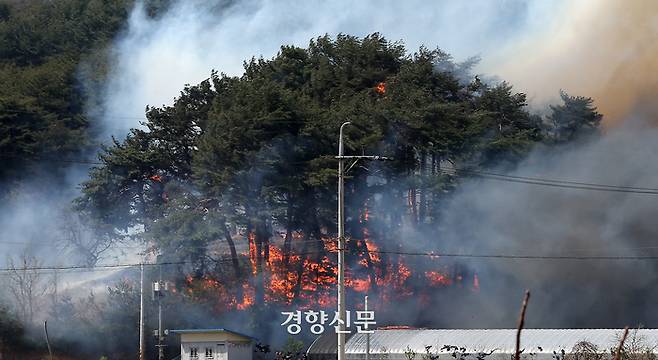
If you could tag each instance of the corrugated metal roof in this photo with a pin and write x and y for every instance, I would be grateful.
(476, 340)
(326, 343)
(206, 331)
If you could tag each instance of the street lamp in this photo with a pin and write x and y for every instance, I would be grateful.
(341, 234)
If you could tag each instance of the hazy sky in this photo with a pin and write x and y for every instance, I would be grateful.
(600, 48)
(155, 58)
(605, 49)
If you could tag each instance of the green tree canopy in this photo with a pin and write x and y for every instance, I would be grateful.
(575, 117)
(51, 53)
(255, 153)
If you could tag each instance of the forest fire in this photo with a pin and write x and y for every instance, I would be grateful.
(214, 192)
(438, 279)
(381, 88)
(308, 279)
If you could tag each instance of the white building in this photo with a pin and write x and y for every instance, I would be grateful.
(486, 344)
(214, 344)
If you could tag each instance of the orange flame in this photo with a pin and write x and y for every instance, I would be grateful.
(438, 279)
(310, 281)
(381, 88)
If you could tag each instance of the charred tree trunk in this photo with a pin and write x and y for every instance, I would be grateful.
(432, 195)
(267, 234)
(372, 275)
(423, 198)
(259, 239)
(300, 266)
(234, 253)
(413, 205)
(287, 243)
(250, 236)
(142, 205)
(320, 253)
(249, 232)
(362, 228)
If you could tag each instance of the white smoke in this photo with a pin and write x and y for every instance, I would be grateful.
(599, 48)
(534, 43)
(497, 217)
(540, 46)
(155, 58)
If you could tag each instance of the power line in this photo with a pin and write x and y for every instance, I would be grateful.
(244, 246)
(88, 268)
(239, 242)
(563, 184)
(518, 256)
(406, 253)
(557, 183)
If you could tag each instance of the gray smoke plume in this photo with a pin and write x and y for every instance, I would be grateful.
(489, 216)
(156, 57)
(600, 48)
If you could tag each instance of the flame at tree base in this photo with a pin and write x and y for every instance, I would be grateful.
(308, 281)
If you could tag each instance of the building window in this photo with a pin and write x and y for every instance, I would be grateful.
(208, 353)
(194, 353)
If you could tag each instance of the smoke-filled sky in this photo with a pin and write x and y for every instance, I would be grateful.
(497, 217)
(599, 48)
(605, 49)
(155, 58)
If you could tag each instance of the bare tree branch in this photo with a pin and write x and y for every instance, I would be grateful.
(524, 305)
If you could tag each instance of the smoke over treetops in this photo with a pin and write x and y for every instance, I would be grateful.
(273, 194)
(603, 48)
(489, 216)
(156, 57)
(539, 48)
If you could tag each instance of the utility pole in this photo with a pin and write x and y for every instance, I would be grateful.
(365, 308)
(341, 234)
(45, 330)
(341, 246)
(142, 339)
(158, 287)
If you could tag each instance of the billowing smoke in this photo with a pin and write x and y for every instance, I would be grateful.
(604, 49)
(593, 48)
(157, 57)
(600, 48)
(498, 217)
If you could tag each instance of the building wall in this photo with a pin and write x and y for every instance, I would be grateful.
(212, 336)
(240, 351)
(221, 350)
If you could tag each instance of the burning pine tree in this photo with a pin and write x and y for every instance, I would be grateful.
(237, 177)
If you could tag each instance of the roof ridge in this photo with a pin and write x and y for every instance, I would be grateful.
(511, 329)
